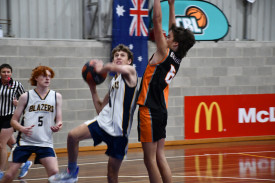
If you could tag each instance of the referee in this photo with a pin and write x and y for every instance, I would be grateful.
(10, 92)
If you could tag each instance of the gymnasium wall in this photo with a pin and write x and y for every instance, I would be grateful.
(70, 19)
(222, 68)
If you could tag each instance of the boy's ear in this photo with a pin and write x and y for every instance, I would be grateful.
(176, 44)
(130, 61)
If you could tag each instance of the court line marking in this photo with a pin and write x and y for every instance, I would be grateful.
(206, 177)
(172, 157)
(257, 156)
(238, 178)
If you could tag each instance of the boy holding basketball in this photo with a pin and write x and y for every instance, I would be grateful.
(114, 120)
(153, 97)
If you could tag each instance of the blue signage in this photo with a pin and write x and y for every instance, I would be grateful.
(205, 19)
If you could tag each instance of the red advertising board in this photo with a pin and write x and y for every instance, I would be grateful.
(229, 116)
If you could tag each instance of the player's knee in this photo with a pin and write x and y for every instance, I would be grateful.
(148, 159)
(53, 172)
(72, 137)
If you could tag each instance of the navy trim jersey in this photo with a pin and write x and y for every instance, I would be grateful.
(155, 82)
(117, 116)
(41, 113)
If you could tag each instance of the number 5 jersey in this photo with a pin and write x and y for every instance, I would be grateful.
(41, 113)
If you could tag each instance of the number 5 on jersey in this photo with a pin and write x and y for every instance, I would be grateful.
(40, 121)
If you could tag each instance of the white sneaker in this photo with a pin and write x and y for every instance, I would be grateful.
(64, 177)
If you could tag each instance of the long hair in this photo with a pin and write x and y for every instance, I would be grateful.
(185, 39)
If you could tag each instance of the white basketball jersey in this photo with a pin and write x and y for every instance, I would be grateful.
(41, 113)
(116, 117)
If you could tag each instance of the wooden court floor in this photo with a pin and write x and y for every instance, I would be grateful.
(229, 162)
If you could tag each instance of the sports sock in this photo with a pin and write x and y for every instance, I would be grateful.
(72, 167)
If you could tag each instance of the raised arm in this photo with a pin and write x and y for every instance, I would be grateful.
(160, 40)
(172, 16)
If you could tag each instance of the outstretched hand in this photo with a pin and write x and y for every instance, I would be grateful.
(98, 65)
(57, 127)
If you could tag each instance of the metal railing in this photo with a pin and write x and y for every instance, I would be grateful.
(97, 21)
(7, 21)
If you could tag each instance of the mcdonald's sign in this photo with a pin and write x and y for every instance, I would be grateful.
(220, 116)
(208, 114)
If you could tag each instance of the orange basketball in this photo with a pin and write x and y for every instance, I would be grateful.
(199, 14)
(89, 74)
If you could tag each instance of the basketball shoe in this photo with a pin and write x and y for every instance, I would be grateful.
(1, 175)
(24, 169)
(65, 176)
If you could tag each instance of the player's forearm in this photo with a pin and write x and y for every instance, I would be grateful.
(157, 15)
(16, 125)
(172, 19)
(96, 100)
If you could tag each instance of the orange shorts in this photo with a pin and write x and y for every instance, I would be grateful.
(151, 124)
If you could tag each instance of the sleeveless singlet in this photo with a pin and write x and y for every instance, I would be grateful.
(116, 117)
(155, 82)
(41, 113)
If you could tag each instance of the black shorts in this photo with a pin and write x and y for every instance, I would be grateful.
(5, 121)
(151, 124)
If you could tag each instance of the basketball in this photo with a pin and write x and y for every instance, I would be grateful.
(89, 74)
(199, 15)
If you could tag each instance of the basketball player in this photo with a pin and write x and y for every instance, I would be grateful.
(153, 97)
(42, 115)
(113, 124)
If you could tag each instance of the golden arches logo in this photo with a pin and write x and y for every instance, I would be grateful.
(208, 115)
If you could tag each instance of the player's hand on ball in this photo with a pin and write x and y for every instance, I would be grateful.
(98, 65)
(90, 75)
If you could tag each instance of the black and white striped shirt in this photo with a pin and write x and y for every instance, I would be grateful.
(7, 93)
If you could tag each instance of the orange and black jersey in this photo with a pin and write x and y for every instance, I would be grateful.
(155, 82)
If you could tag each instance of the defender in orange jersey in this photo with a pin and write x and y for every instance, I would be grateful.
(153, 97)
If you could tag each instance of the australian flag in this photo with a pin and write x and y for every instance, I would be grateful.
(130, 27)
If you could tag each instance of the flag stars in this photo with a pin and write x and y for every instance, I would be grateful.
(120, 10)
(131, 46)
(140, 58)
